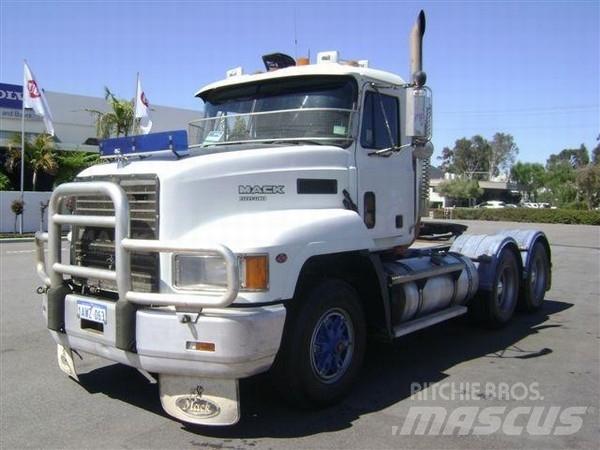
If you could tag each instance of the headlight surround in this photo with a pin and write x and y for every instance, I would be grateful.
(202, 272)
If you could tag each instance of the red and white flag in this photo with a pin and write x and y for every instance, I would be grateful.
(142, 108)
(34, 98)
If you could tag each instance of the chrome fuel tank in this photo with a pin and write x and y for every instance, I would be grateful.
(425, 284)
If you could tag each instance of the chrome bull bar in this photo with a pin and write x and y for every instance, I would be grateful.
(52, 273)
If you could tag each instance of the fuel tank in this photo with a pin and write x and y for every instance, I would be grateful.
(423, 285)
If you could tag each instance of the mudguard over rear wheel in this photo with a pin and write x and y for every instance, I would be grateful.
(323, 345)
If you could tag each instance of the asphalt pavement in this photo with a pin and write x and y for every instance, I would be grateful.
(543, 369)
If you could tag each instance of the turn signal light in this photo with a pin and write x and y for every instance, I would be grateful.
(200, 346)
(255, 272)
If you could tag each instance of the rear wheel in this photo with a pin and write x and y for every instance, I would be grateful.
(495, 308)
(534, 287)
(323, 345)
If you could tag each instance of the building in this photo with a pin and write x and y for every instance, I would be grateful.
(75, 127)
(502, 190)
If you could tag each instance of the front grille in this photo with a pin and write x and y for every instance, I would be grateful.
(95, 246)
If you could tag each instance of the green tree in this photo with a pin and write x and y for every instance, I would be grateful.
(469, 157)
(502, 154)
(42, 157)
(588, 181)
(530, 177)
(575, 157)
(39, 155)
(562, 171)
(239, 132)
(596, 152)
(4, 182)
(73, 162)
(12, 162)
(120, 120)
(460, 189)
(560, 182)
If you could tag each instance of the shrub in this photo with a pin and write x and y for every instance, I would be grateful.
(4, 182)
(569, 216)
(17, 206)
(576, 205)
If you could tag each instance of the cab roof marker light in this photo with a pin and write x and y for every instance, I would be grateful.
(328, 57)
(235, 72)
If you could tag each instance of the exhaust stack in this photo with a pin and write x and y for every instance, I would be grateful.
(419, 77)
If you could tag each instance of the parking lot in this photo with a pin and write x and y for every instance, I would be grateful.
(554, 353)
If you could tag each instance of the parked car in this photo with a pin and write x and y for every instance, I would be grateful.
(491, 204)
(530, 205)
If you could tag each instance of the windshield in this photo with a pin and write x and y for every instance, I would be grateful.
(316, 109)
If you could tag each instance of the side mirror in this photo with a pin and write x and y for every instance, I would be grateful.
(418, 113)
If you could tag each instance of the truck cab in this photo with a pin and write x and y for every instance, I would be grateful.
(333, 117)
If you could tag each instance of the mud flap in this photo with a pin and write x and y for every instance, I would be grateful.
(203, 401)
(65, 361)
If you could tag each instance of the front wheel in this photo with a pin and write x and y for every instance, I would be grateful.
(323, 345)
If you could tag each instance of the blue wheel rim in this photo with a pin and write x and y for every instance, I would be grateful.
(332, 345)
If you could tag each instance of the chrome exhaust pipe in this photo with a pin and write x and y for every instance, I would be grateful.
(416, 51)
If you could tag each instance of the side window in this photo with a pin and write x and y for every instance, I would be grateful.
(374, 132)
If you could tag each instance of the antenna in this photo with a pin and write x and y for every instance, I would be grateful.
(295, 37)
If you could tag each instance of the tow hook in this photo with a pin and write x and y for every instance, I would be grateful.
(42, 290)
(187, 318)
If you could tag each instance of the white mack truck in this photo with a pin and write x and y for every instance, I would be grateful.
(275, 235)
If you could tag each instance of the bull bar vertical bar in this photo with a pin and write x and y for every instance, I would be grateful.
(121, 219)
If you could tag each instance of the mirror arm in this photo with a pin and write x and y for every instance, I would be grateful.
(385, 152)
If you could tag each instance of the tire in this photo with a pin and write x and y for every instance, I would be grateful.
(495, 308)
(534, 287)
(323, 346)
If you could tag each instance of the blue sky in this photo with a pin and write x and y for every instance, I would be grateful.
(530, 69)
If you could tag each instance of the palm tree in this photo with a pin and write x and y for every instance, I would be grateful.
(42, 158)
(13, 154)
(119, 121)
(71, 163)
(39, 155)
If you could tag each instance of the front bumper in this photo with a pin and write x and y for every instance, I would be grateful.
(245, 340)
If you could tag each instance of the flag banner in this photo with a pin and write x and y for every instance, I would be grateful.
(34, 98)
(142, 108)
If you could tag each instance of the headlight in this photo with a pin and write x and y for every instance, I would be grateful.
(205, 272)
(199, 272)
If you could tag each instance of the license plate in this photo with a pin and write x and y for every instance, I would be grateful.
(91, 311)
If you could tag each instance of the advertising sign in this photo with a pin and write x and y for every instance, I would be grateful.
(11, 96)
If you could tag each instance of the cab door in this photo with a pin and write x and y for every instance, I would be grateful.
(386, 182)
